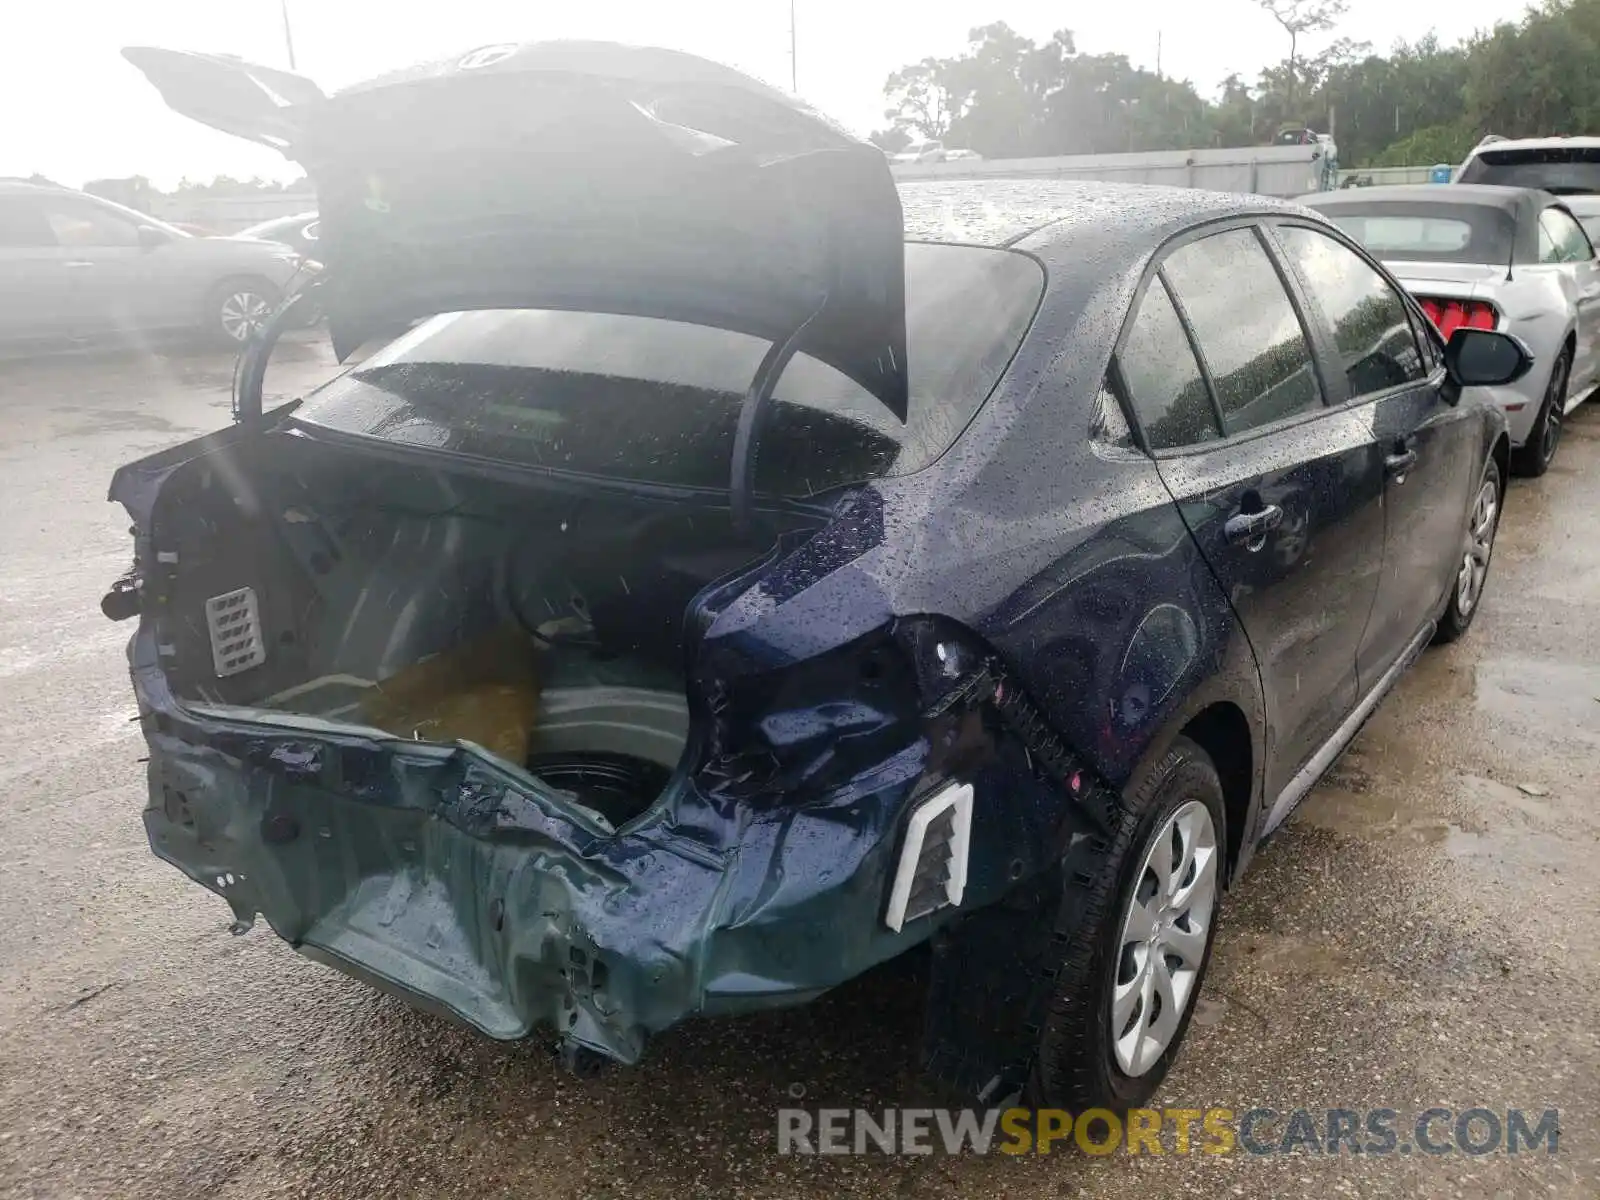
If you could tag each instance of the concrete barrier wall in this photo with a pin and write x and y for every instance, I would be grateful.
(1263, 170)
(230, 214)
(1383, 176)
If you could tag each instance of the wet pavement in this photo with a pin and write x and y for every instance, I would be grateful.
(1425, 932)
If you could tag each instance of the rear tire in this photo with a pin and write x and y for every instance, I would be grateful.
(236, 308)
(1477, 551)
(1137, 940)
(1539, 451)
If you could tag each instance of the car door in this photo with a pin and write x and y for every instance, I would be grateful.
(1430, 449)
(100, 252)
(35, 287)
(1281, 492)
(1562, 242)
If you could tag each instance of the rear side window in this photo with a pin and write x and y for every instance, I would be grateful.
(1162, 378)
(1247, 329)
(1561, 240)
(1377, 345)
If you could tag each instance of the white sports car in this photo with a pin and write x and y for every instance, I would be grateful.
(1487, 257)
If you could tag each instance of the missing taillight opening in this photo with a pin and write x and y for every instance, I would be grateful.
(1451, 315)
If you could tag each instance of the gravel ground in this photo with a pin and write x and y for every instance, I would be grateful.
(1424, 932)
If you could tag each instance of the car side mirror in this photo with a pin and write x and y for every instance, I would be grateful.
(151, 238)
(1484, 358)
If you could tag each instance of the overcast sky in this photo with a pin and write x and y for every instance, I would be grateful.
(74, 110)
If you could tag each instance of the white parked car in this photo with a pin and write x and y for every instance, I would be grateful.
(1563, 166)
(921, 152)
(1508, 258)
(933, 151)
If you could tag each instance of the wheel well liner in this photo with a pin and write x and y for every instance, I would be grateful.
(1223, 732)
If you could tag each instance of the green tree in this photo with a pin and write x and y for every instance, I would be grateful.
(1298, 18)
(1421, 103)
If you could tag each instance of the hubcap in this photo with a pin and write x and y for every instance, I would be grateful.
(1480, 544)
(1163, 938)
(243, 313)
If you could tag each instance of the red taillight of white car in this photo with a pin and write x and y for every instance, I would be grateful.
(1451, 315)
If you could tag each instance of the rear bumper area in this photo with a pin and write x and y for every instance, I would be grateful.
(435, 874)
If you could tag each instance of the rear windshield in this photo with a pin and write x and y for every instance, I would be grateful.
(1564, 170)
(1463, 233)
(653, 401)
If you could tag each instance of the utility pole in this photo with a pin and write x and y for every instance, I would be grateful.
(794, 59)
(1158, 54)
(288, 38)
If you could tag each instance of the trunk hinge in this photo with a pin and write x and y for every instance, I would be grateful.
(741, 485)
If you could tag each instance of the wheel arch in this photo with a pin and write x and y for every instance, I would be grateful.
(1226, 716)
(1500, 452)
(1222, 730)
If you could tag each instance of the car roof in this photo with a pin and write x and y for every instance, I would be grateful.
(28, 186)
(1535, 143)
(1040, 213)
(1512, 199)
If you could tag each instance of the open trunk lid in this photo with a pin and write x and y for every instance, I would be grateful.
(581, 175)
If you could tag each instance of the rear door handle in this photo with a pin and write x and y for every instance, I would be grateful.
(79, 264)
(1401, 461)
(1253, 527)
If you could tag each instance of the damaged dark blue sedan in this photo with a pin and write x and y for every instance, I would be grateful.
(710, 594)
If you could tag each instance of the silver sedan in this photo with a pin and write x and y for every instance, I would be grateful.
(1513, 259)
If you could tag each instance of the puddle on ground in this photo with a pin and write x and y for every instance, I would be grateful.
(1466, 817)
(1541, 695)
(1378, 814)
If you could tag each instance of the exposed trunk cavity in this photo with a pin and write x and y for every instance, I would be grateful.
(547, 625)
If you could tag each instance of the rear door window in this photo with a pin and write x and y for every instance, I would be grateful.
(23, 224)
(1162, 378)
(1251, 339)
(1372, 329)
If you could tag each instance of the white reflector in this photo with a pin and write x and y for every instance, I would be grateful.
(235, 627)
(933, 861)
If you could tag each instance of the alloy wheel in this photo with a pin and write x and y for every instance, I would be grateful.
(1162, 943)
(1554, 411)
(1479, 546)
(242, 313)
